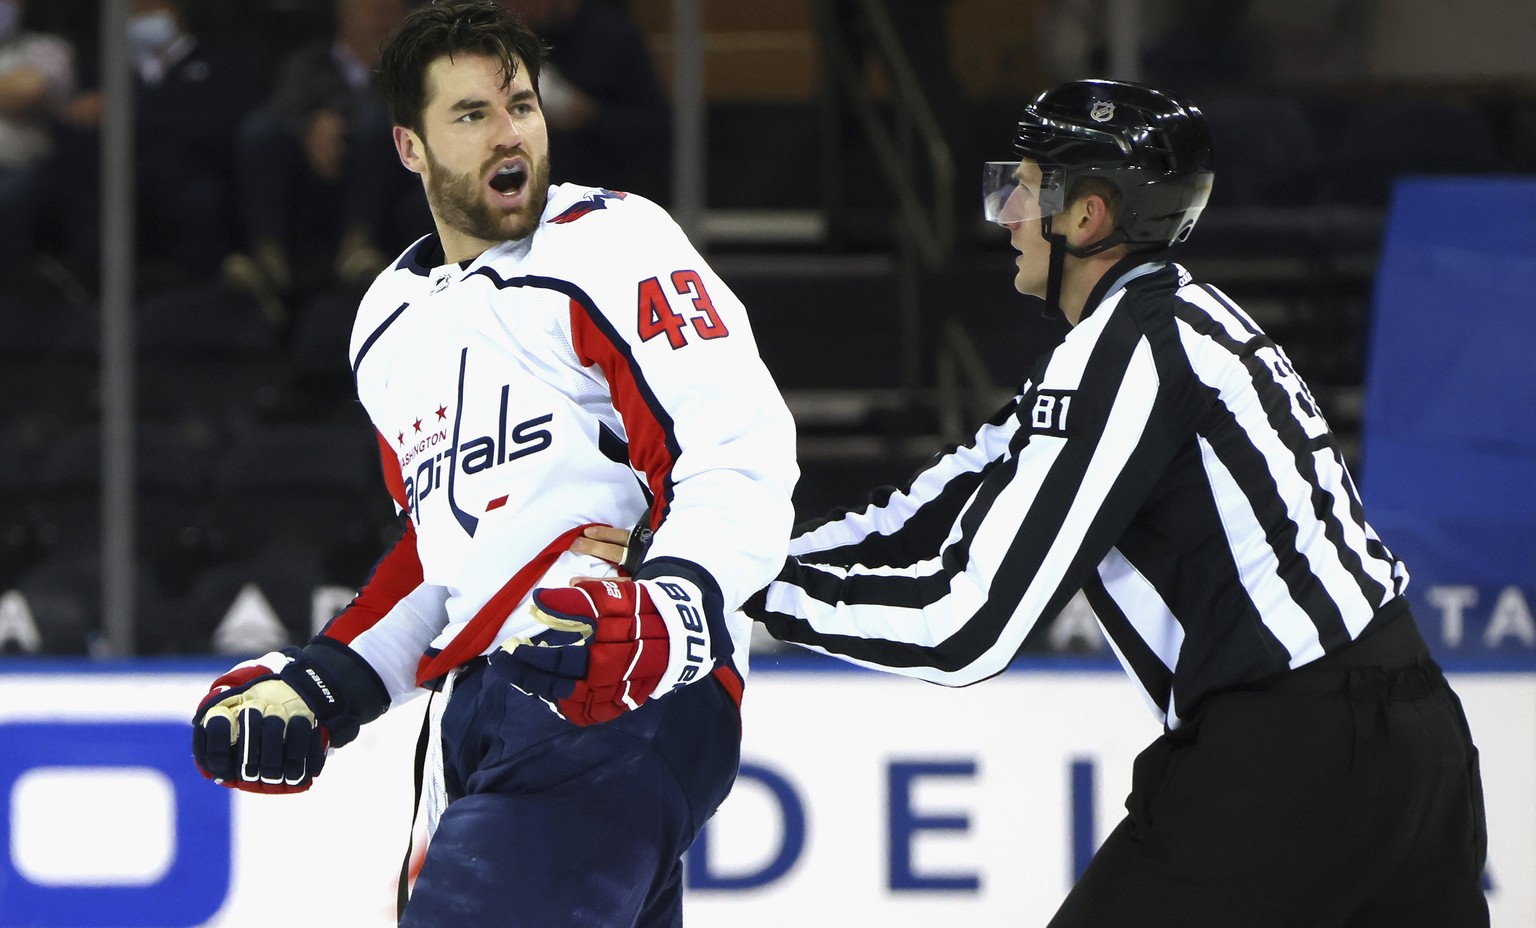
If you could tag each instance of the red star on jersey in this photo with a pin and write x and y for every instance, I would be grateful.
(417, 424)
(400, 439)
(442, 412)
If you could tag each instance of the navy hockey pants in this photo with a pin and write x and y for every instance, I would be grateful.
(550, 824)
(1344, 794)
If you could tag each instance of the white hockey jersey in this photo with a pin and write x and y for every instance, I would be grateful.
(578, 375)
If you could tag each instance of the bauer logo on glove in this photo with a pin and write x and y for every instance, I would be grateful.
(634, 640)
(267, 725)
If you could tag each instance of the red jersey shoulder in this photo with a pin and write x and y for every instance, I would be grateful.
(591, 202)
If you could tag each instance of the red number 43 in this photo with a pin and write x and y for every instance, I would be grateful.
(657, 317)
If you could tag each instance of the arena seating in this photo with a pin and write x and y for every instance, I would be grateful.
(255, 465)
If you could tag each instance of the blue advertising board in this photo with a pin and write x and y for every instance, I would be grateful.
(1449, 438)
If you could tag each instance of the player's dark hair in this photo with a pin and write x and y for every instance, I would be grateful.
(481, 27)
(1094, 186)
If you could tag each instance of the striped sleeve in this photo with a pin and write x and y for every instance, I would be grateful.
(896, 526)
(1087, 441)
(1168, 460)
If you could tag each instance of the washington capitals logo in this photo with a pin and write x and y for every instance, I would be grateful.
(441, 454)
(597, 199)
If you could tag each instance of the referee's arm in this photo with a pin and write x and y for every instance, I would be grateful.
(1086, 444)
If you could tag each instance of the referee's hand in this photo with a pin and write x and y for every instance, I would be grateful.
(604, 542)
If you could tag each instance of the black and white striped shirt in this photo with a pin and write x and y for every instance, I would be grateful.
(1165, 458)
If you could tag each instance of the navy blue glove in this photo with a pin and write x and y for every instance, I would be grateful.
(267, 725)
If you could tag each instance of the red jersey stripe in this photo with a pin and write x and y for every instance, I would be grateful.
(475, 637)
(652, 446)
(393, 481)
(394, 577)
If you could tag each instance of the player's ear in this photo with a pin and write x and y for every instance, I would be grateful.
(411, 149)
(1092, 219)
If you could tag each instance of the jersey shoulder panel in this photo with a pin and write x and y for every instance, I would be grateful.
(402, 281)
(588, 231)
(606, 255)
(570, 203)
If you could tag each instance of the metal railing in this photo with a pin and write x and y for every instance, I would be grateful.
(909, 147)
(966, 393)
(119, 624)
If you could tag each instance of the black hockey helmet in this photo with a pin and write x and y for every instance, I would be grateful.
(1152, 146)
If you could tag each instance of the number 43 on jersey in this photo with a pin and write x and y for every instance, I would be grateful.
(657, 317)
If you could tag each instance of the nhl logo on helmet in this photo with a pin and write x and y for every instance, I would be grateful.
(1103, 111)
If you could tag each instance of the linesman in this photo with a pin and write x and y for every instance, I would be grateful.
(1166, 458)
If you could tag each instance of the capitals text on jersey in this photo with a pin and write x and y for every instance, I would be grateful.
(471, 456)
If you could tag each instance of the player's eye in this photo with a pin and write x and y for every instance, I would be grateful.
(472, 116)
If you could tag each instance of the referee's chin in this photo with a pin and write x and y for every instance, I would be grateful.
(1027, 287)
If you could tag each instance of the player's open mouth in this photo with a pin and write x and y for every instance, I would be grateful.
(510, 178)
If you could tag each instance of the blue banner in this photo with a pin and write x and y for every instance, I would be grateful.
(1449, 440)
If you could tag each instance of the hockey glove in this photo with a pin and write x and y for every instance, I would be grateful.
(634, 640)
(267, 725)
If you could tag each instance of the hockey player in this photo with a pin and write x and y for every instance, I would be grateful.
(551, 357)
(1168, 459)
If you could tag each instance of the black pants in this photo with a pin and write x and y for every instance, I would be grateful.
(1345, 794)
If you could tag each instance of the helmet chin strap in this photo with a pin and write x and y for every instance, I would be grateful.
(1059, 248)
(1059, 251)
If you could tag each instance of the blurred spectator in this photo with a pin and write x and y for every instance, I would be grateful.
(189, 96)
(323, 196)
(609, 120)
(37, 77)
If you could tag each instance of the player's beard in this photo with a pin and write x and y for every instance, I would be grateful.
(460, 201)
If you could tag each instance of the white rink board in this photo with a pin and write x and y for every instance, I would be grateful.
(989, 797)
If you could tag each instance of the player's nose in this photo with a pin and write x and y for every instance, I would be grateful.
(508, 133)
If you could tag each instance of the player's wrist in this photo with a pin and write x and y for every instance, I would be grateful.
(679, 604)
(341, 688)
(665, 567)
(704, 595)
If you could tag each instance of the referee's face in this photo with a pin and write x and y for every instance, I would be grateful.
(483, 153)
(1033, 262)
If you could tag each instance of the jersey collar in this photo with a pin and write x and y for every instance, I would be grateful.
(1122, 272)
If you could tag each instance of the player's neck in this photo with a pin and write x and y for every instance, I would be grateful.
(1081, 277)
(459, 248)
(1077, 284)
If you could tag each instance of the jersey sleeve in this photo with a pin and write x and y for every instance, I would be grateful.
(707, 429)
(395, 615)
(945, 579)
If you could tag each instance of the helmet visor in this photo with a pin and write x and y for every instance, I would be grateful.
(1004, 199)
